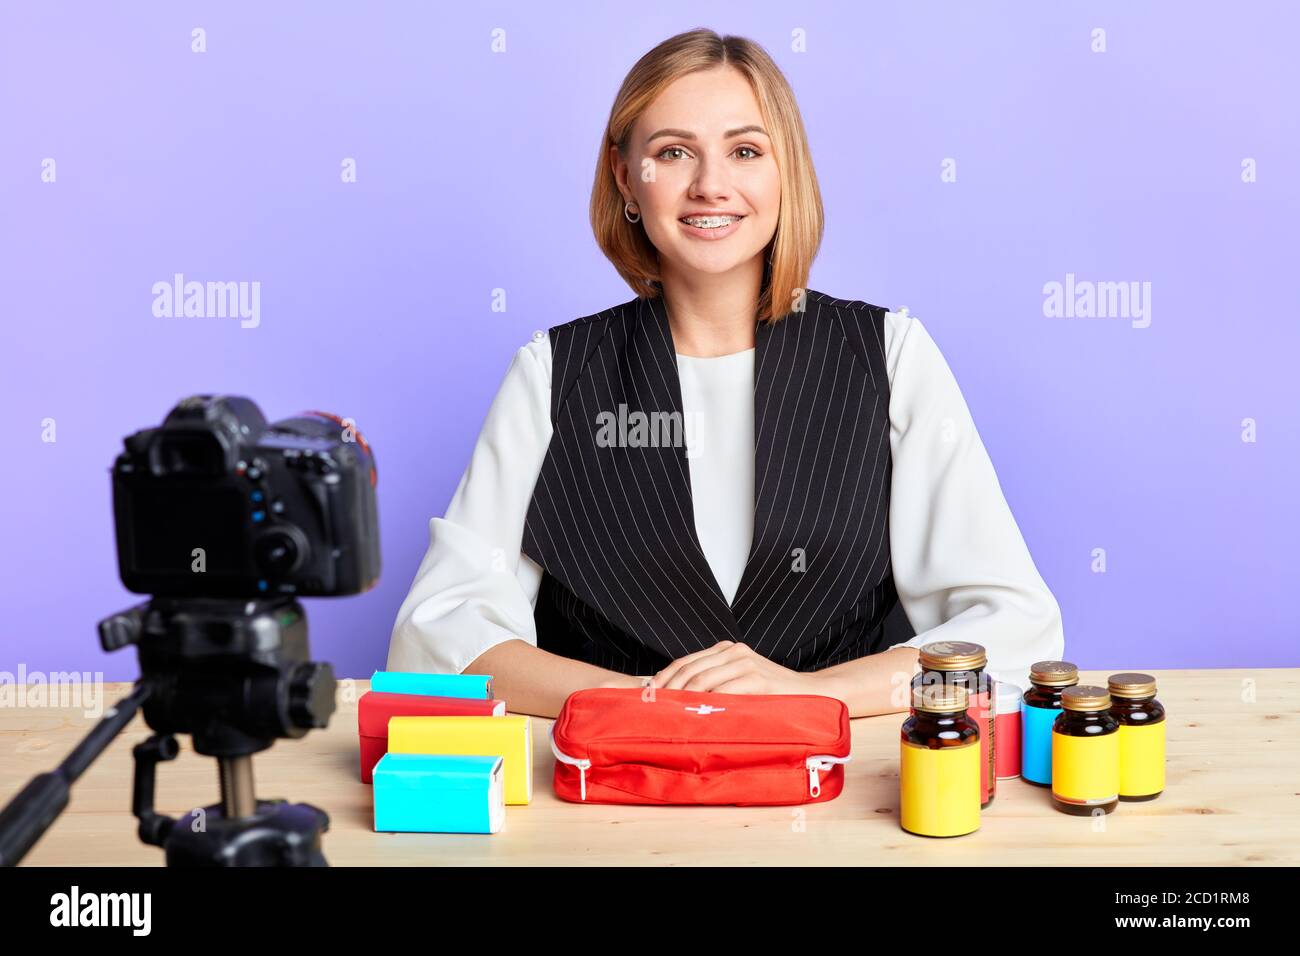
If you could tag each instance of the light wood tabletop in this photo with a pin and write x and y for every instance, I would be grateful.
(1232, 797)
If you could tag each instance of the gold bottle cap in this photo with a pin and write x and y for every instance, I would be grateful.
(1132, 685)
(940, 698)
(952, 656)
(1054, 673)
(1085, 697)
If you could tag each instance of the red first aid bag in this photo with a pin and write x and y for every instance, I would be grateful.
(644, 745)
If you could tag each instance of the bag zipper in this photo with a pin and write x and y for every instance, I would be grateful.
(820, 762)
(814, 764)
(583, 764)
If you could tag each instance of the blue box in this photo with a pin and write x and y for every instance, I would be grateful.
(465, 686)
(439, 793)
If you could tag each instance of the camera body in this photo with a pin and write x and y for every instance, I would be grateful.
(217, 503)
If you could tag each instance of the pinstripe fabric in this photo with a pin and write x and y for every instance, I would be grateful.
(626, 584)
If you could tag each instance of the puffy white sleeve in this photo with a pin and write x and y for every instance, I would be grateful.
(961, 566)
(474, 587)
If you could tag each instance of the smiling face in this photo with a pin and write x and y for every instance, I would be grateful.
(704, 140)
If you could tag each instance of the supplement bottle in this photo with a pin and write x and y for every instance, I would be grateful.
(1141, 736)
(1085, 752)
(961, 664)
(1039, 709)
(939, 764)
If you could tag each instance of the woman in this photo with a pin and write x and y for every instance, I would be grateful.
(727, 482)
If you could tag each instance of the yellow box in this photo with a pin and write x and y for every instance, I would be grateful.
(509, 736)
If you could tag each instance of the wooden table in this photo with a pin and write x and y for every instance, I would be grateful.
(1232, 797)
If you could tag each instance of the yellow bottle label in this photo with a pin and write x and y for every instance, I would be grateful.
(939, 789)
(1085, 770)
(1141, 759)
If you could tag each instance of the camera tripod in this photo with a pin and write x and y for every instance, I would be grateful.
(235, 676)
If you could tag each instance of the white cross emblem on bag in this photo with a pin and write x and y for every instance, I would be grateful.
(706, 709)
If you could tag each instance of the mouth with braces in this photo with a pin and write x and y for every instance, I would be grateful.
(710, 222)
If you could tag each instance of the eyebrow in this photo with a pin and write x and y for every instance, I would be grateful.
(687, 134)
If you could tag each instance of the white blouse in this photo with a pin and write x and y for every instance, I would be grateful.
(960, 564)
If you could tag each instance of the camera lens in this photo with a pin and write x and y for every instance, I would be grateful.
(280, 550)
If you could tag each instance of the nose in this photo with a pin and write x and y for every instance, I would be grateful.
(712, 184)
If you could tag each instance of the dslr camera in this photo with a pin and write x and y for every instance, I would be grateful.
(216, 503)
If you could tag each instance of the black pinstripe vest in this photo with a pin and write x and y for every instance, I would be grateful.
(626, 585)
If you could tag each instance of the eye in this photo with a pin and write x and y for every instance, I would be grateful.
(669, 149)
(751, 149)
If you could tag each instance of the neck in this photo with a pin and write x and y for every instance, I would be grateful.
(713, 314)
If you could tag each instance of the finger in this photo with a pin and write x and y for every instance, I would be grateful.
(712, 678)
(661, 679)
(684, 673)
(748, 684)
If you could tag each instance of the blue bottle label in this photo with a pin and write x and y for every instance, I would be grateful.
(1036, 742)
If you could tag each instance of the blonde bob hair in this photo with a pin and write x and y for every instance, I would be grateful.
(800, 218)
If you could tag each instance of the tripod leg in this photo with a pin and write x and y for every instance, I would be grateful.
(154, 827)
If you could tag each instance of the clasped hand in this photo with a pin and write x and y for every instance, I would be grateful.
(730, 667)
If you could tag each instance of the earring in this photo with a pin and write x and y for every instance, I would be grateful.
(626, 216)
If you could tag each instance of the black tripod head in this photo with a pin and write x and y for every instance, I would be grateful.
(235, 676)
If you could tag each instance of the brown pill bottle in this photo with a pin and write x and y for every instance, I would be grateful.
(1141, 735)
(939, 765)
(961, 664)
(1085, 753)
(1040, 707)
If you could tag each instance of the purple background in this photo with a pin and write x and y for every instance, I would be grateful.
(474, 172)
